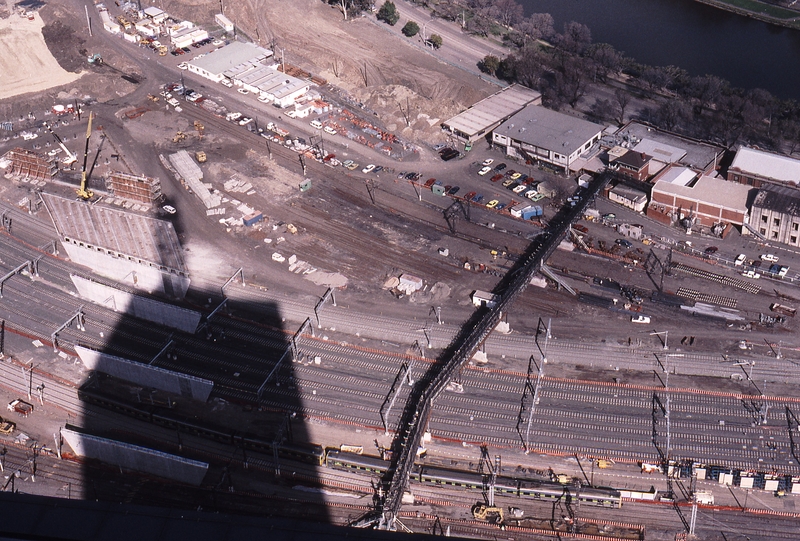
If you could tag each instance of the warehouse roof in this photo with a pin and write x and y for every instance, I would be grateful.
(712, 190)
(551, 130)
(230, 56)
(681, 176)
(767, 165)
(491, 111)
(134, 235)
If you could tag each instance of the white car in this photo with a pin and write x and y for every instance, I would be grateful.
(316, 124)
(485, 170)
(640, 319)
(769, 258)
(183, 66)
(740, 259)
(751, 274)
(242, 91)
(487, 162)
(329, 130)
(169, 209)
(226, 82)
(368, 169)
(217, 42)
(245, 121)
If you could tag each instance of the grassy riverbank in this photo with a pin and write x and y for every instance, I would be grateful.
(759, 10)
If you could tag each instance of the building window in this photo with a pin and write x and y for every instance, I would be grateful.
(774, 235)
(776, 222)
(795, 226)
(763, 231)
(764, 218)
(793, 239)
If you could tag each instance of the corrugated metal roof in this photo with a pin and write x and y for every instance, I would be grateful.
(492, 110)
(140, 237)
(551, 130)
(230, 56)
(767, 165)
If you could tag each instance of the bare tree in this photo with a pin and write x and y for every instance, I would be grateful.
(572, 81)
(606, 59)
(337, 65)
(622, 99)
(576, 38)
(706, 90)
(508, 12)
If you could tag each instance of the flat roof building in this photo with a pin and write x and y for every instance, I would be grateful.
(758, 168)
(539, 134)
(490, 112)
(666, 147)
(216, 63)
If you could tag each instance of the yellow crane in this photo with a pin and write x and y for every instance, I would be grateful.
(84, 193)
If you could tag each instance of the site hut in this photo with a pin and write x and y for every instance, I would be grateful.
(155, 15)
(187, 36)
(484, 116)
(109, 24)
(484, 299)
(270, 84)
(775, 214)
(128, 248)
(216, 63)
(627, 196)
(706, 201)
(537, 134)
(224, 22)
(758, 168)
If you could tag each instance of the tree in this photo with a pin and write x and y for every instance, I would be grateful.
(508, 12)
(388, 13)
(602, 109)
(672, 114)
(571, 81)
(706, 90)
(489, 64)
(576, 38)
(352, 6)
(411, 29)
(622, 99)
(530, 67)
(606, 60)
(435, 40)
(479, 25)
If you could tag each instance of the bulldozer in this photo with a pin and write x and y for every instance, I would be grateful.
(153, 98)
(488, 513)
(180, 136)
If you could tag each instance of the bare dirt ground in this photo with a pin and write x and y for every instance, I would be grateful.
(26, 64)
(382, 72)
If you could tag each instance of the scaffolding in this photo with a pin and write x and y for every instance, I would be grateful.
(31, 165)
(134, 188)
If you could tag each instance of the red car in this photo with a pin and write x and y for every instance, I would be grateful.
(429, 182)
(470, 195)
(496, 178)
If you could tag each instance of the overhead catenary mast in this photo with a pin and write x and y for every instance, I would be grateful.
(83, 193)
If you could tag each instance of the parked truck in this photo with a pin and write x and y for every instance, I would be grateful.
(783, 309)
(534, 211)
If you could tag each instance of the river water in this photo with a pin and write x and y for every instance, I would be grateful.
(693, 36)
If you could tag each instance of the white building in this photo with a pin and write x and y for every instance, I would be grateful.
(213, 65)
(109, 24)
(156, 15)
(224, 22)
(539, 134)
(188, 36)
(628, 197)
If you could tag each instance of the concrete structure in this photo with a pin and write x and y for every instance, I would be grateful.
(539, 134)
(134, 188)
(155, 14)
(214, 64)
(146, 375)
(31, 165)
(224, 22)
(666, 147)
(490, 112)
(134, 457)
(273, 85)
(709, 201)
(775, 214)
(628, 197)
(633, 164)
(129, 248)
(161, 313)
(758, 168)
(191, 173)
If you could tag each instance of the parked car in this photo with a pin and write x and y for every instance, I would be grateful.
(740, 259)
(499, 167)
(609, 216)
(515, 175)
(470, 195)
(329, 130)
(508, 182)
(769, 258)
(519, 188)
(242, 91)
(453, 190)
(169, 209)
(711, 250)
(492, 204)
(496, 177)
(429, 182)
(537, 197)
(640, 319)
(484, 170)
(581, 228)
(368, 168)
(751, 274)
(624, 243)
(477, 198)
(487, 162)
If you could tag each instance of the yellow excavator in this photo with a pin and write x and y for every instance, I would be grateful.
(83, 192)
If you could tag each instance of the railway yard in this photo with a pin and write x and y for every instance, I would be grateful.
(550, 415)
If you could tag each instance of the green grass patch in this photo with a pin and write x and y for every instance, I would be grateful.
(760, 7)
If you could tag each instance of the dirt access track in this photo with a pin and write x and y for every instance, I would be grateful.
(26, 64)
(315, 36)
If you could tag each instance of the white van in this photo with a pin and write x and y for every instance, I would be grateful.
(316, 124)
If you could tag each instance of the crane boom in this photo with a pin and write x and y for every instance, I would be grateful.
(71, 158)
(82, 191)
